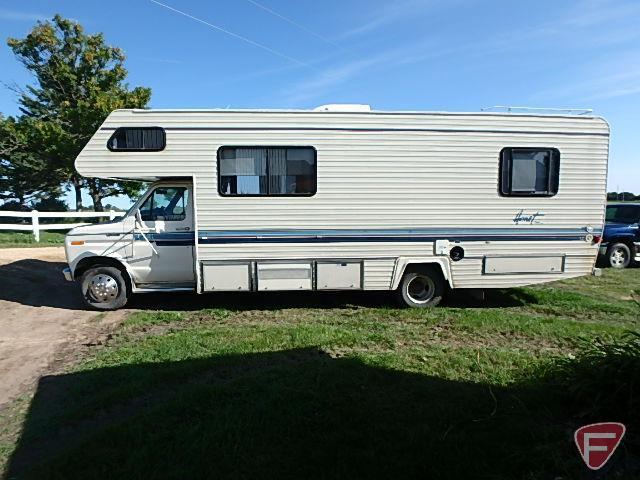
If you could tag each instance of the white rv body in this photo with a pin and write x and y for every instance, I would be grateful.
(392, 189)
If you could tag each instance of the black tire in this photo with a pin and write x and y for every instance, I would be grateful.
(421, 289)
(618, 255)
(104, 288)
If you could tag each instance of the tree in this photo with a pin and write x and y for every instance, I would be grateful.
(24, 177)
(79, 80)
(622, 196)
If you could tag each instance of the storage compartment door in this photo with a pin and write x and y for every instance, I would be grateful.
(523, 265)
(284, 276)
(339, 275)
(226, 277)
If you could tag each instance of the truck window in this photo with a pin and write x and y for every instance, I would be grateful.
(623, 213)
(266, 171)
(528, 172)
(166, 203)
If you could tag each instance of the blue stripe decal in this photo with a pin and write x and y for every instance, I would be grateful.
(417, 235)
(342, 236)
(169, 239)
(205, 241)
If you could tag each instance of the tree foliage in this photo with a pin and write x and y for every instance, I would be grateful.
(622, 196)
(78, 81)
(24, 176)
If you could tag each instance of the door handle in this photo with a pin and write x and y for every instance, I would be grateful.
(185, 229)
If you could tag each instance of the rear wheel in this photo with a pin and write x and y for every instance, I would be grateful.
(104, 288)
(421, 289)
(619, 255)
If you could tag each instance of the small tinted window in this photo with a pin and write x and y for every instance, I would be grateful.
(623, 213)
(529, 171)
(166, 203)
(264, 171)
(134, 139)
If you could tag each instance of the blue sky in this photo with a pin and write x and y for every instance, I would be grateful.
(458, 55)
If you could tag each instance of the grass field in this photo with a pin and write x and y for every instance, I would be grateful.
(25, 239)
(338, 386)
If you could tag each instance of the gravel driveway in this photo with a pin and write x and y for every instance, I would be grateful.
(43, 321)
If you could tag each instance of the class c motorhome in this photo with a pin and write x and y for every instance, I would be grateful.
(342, 198)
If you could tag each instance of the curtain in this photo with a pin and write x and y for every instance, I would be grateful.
(277, 171)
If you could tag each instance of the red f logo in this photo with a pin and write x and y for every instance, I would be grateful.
(597, 442)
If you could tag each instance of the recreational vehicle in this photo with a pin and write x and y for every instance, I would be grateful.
(342, 198)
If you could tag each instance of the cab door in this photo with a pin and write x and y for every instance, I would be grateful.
(165, 256)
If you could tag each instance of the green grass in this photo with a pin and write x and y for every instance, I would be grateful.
(25, 239)
(295, 386)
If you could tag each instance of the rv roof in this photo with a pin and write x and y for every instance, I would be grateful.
(366, 110)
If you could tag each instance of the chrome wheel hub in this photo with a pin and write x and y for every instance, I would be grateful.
(618, 257)
(103, 288)
(421, 289)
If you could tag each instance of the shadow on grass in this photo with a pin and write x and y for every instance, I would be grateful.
(326, 300)
(291, 414)
(261, 300)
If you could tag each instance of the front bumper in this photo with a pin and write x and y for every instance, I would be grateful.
(68, 276)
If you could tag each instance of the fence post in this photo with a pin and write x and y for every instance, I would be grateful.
(112, 214)
(35, 222)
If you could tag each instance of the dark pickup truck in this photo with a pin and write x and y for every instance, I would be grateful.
(620, 245)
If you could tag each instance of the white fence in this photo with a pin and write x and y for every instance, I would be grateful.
(35, 217)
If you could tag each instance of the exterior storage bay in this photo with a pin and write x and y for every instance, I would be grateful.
(391, 189)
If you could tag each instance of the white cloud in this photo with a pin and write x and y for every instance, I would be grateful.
(596, 12)
(319, 84)
(328, 79)
(617, 92)
(161, 60)
(613, 77)
(595, 24)
(389, 12)
(16, 16)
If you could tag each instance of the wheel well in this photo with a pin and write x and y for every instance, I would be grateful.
(90, 262)
(434, 268)
(626, 241)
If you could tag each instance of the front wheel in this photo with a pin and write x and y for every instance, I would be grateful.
(421, 289)
(619, 255)
(104, 288)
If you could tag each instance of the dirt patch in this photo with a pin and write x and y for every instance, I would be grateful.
(43, 322)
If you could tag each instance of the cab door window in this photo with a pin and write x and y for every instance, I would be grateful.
(166, 203)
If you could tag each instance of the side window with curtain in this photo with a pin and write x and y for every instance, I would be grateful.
(166, 203)
(242, 171)
(266, 171)
(529, 172)
(137, 139)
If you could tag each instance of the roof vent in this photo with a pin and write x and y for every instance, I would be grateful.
(343, 107)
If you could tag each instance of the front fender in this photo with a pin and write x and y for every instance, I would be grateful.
(73, 265)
